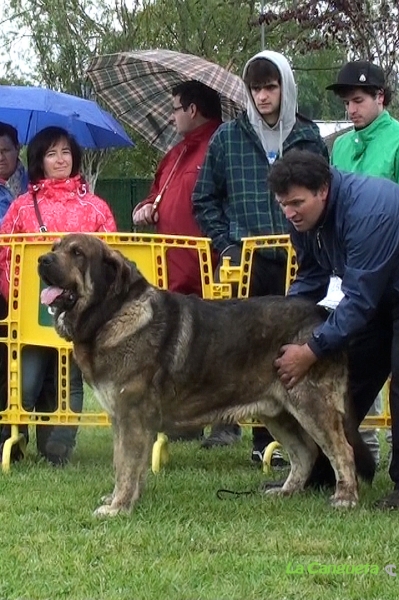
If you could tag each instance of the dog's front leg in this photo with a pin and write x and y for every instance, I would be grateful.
(132, 448)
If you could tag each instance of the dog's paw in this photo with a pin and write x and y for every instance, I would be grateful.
(107, 500)
(106, 510)
(340, 502)
(274, 491)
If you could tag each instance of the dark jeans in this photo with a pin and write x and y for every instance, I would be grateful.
(267, 279)
(373, 355)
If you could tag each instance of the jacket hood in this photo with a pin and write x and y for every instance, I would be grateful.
(272, 138)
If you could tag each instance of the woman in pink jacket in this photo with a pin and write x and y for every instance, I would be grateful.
(58, 200)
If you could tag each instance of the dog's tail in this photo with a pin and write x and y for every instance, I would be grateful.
(364, 461)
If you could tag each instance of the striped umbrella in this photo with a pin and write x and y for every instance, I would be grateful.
(137, 88)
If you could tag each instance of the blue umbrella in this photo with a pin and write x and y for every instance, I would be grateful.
(30, 109)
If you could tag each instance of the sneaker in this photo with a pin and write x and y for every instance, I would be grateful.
(277, 462)
(222, 435)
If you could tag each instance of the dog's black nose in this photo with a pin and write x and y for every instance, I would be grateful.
(45, 260)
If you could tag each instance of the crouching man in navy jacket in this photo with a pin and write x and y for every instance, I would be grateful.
(345, 231)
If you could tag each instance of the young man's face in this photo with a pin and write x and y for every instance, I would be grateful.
(267, 99)
(362, 108)
(302, 207)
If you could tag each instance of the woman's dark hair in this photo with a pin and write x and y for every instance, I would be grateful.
(41, 143)
(205, 98)
(300, 168)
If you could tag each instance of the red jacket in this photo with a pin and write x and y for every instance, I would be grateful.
(64, 205)
(175, 213)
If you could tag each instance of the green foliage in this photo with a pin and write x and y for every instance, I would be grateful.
(65, 34)
(313, 73)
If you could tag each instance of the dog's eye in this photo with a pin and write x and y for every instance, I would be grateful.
(76, 251)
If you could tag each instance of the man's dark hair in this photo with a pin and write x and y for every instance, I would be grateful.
(261, 71)
(300, 168)
(41, 143)
(367, 89)
(205, 98)
(10, 132)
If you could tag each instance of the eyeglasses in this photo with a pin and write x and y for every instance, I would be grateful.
(176, 108)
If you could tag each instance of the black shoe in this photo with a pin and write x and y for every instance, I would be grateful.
(222, 436)
(390, 502)
(57, 454)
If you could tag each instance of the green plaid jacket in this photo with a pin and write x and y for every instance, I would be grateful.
(231, 198)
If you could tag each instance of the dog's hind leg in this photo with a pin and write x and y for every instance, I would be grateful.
(300, 447)
(325, 423)
(132, 448)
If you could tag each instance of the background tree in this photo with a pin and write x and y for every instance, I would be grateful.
(363, 29)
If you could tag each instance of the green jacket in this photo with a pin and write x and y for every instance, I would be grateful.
(373, 150)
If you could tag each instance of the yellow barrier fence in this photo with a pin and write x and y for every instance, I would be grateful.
(28, 323)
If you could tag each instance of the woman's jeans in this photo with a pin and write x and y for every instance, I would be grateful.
(38, 364)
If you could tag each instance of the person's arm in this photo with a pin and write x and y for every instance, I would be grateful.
(210, 196)
(105, 219)
(311, 280)
(371, 259)
(5, 203)
(10, 224)
(143, 212)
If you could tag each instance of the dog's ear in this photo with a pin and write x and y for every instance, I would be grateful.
(120, 273)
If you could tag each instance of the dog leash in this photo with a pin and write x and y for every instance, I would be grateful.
(222, 493)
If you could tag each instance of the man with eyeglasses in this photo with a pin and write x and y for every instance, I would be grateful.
(13, 176)
(196, 111)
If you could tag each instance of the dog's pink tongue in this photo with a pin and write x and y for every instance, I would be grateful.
(49, 294)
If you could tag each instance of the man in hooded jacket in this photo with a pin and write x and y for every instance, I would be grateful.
(232, 198)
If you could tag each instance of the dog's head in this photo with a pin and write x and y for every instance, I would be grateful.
(87, 281)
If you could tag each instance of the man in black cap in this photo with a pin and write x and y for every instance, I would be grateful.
(372, 148)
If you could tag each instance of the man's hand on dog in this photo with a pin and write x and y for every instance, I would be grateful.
(294, 363)
(144, 215)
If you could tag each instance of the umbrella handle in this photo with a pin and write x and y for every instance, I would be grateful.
(155, 204)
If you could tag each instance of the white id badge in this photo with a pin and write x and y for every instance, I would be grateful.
(334, 293)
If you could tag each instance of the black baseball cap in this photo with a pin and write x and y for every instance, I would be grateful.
(359, 73)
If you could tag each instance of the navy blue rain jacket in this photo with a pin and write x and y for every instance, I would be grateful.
(358, 240)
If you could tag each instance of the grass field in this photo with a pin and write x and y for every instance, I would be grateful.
(182, 542)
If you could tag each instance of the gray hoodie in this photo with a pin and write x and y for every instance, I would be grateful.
(272, 138)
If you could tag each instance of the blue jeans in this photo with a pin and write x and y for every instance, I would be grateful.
(36, 361)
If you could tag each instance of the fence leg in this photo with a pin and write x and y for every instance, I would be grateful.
(160, 454)
(16, 438)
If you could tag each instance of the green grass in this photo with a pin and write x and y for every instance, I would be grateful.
(182, 542)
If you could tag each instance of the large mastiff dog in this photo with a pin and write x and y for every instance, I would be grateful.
(159, 360)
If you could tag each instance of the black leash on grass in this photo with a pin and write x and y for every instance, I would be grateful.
(222, 493)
